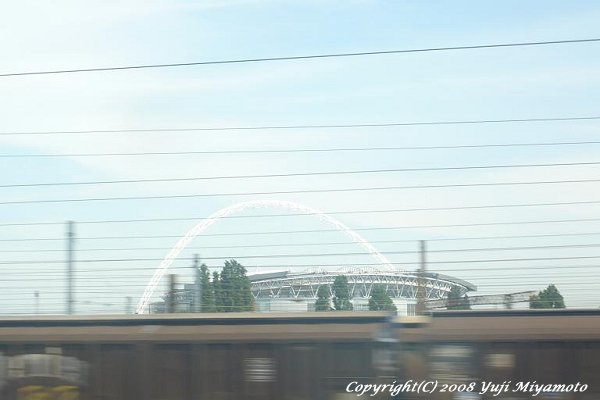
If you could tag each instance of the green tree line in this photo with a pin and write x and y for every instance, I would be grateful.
(228, 291)
(547, 298)
(340, 297)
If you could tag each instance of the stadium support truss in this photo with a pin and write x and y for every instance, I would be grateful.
(399, 284)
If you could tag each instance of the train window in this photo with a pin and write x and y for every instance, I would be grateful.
(547, 362)
(16, 367)
(78, 365)
(116, 371)
(348, 360)
(259, 369)
(589, 371)
(384, 355)
(3, 372)
(500, 361)
(452, 363)
(32, 376)
(385, 359)
(170, 372)
(300, 371)
(219, 374)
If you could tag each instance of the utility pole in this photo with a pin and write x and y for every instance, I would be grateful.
(70, 260)
(36, 296)
(197, 285)
(508, 300)
(128, 309)
(421, 289)
(171, 301)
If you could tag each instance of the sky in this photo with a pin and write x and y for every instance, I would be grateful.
(503, 83)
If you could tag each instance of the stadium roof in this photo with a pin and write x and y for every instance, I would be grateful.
(400, 284)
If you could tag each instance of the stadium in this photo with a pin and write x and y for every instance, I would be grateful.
(297, 291)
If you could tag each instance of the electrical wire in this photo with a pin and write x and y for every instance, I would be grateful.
(124, 260)
(474, 207)
(293, 174)
(309, 126)
(299, 245)
(278, 192)
(95, 271)
(357, 229)
(305, 57)
(303, 150)
(585, 276)
(513, 248)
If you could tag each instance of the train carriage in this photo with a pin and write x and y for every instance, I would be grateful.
(177, 357)
(297, 356)
(535, 346)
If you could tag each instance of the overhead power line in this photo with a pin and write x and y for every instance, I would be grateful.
(248, 246)
(101, 289)
(95, 271)
(303, 150)
(113, 294)
(340, 190)
(110, 260)
(303, 57)
(385, 211)
(295, 244)
(463, 250)
(95, 279)
(293, 174)
(309, 126)
(551, 221)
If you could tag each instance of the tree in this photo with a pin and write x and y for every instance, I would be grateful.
(548, 298)
(207, 294)
(456, 301)
(380, 300)
(341, 294)
(217, 291)
(323, 303)
(233, 290)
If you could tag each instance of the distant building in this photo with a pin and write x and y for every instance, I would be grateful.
(185, 300)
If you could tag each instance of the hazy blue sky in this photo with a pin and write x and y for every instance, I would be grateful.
(545, 81)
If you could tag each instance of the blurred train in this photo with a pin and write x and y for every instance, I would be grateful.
(312, 356)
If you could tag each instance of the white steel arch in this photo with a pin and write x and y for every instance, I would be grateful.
(235, 208)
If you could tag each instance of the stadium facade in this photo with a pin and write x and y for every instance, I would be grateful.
(297, 291)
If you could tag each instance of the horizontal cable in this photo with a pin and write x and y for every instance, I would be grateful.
(339, 190)
(309, 244)
(473, 207)
(551, 221)
(566, 246)
(288, 267)
(110, 260)
(303, 150)
(112, 296)
(322, 126)
(103, 289)
(55, 278)
(305, 57)
(118, 310)
(529, 285)
(293, 174)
